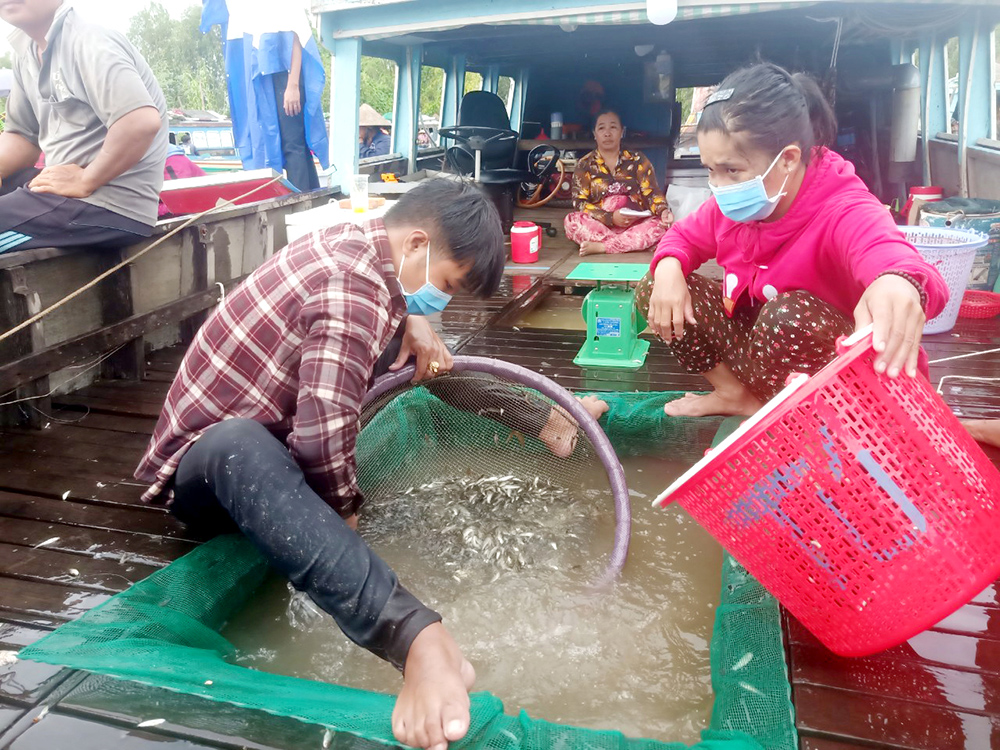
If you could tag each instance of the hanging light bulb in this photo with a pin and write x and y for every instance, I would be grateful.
(661, 12)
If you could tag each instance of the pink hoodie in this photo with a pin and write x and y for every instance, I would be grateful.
(834, 241)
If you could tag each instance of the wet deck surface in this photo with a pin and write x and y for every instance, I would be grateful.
(73, 533)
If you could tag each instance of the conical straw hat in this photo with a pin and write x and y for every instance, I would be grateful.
(369, 118)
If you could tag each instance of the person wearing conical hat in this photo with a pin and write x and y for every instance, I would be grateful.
(372, 137)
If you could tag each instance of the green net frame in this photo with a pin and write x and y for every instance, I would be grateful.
(164, 632)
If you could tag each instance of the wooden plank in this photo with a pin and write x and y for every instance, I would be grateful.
(103, 457)
(71, 467)
(85, 489)
(52, 601)
(24, 257)
(86, 346)
(111, 422)
(16, 637)
(145, 389)
(18, 303)
(168, 359)
(890, 723)
(9, 713)
(916, 681)
(972, 619)
(26, 682)
(817, 743)
(42, 564)
(116, 296)
(156, 551)
(124, 703)
(932, 647)
(73, 513)
(165, 376)
(56, 436)
(122, 406)
(56, 731)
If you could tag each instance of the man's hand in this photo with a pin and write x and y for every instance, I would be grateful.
(67, 180)
(892, 304)
(622, 221)
(293, 100)
(420, 341)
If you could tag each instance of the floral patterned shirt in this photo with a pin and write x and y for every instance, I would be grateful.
(633, 176)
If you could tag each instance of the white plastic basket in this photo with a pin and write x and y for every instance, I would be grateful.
(952, 252)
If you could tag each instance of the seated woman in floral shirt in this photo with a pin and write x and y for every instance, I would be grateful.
(610, 179)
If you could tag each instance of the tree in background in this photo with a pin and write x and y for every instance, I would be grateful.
(378, 83)
(187, 63)
(431, 90)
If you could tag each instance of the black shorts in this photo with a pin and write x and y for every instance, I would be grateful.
(29, 220)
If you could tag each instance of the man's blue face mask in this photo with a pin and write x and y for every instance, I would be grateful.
(748, 200)
(428, 299)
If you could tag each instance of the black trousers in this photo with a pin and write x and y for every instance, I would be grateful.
(238, 476)
(29, 220)
(299, 165)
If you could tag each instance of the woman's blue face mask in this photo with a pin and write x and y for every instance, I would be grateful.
(748, 200)
(428, 299)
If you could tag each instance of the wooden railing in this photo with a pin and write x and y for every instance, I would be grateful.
(157, 301)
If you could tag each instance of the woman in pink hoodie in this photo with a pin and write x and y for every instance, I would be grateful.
(808, 253)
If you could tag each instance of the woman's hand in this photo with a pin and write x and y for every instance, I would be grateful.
(892, 304)
(622, 221)
(667, 217)
(670, 301)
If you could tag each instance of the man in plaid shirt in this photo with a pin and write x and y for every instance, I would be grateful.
(258, 430)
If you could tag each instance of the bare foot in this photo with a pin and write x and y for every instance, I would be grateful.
(592, 248)
(433, 706)
(726, 403)
(560, 432)
(984, 430)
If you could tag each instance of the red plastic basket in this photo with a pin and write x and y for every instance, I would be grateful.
(977, 304)
(857, 500)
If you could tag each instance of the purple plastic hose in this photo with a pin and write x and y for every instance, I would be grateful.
(565, 399)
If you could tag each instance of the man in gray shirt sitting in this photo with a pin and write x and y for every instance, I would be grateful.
(84, 97)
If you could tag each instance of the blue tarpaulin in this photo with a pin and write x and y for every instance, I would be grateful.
(257, 41)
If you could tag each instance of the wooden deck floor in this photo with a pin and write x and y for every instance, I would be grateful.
(72, 533)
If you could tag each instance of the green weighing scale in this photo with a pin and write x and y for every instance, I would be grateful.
(613, 323)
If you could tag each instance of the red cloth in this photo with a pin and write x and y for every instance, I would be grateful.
(292, 348)
(835, 240)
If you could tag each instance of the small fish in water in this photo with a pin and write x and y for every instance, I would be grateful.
(506, 522)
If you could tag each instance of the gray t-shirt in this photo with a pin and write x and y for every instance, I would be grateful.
(89, 78)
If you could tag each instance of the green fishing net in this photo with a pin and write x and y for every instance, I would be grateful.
(164, 632)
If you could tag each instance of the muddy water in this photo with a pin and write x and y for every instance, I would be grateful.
(632, 658)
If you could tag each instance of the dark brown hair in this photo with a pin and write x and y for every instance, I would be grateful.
(771, 108)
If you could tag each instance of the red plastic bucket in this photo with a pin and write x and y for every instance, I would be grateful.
(857, 500)
(525, 241)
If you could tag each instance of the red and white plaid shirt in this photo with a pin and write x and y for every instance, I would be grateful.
(292, 348)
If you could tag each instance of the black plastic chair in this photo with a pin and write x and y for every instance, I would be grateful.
(486, 149)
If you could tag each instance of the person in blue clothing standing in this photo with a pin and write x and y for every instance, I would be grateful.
(372, 138)
(276, 80)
